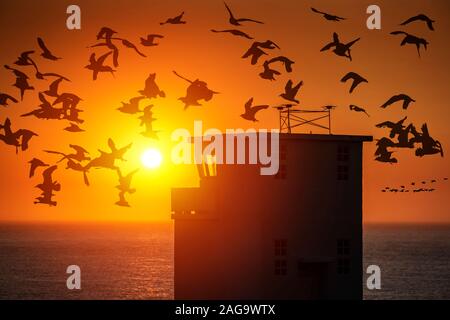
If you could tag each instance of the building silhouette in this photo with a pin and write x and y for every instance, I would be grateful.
(295, 235)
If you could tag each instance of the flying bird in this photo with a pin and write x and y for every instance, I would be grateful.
(80, 154)
(19, 138)
(125, 187)
(234, 32)
(340, 49)
(255, 51)
(396, 127)
(105, 33)
(382, 152)
(150, 40)
(197, 90)
(285, 61)
(132, 107)
(358, 109)
(237, 22)
(328, 16)
(175, 20)
(47, 187)
(411, 39)
(420, 17)
(399, 97)
(45, 52)
(4, 99)
(96, 65)
(107, 159)
(147, 120)
(34, 164)
(268, 73)
(290, 92)
(250, 111)
(356, 78)
(73, 128)
(151, 89)
(53, 88)
(21, 81)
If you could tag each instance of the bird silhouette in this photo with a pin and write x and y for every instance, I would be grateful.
(130, 45)
(19, 138)
(132, 107)
(150, 40)
(250, 111)
(125, 187)
(79, 155)
(237, 22)
(399, 97)
(356, 78)
(21, 81)
(147, 120)
(45, 110)
(53, 88)
(175, 20)
(45, 52)
(96, 65)
(73, 128)
(255, 51)
(151, 89)
(34, 164)
(47, 187)
(340, 49)
(285, 61)
(234, 32)
(352, 107)
(4, 99)
(268, 73)
(105, 33)
(76, 166)
(382, 152)
(197, 90)
(396, 127)
(107, 159)
(411, 39)
(420, 17)
(290, 92)
(25, 60)
(429, 146)
(328, 16)
(45, 75)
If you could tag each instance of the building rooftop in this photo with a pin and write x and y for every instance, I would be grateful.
(324, 137)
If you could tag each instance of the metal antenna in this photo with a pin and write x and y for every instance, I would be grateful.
(292, 118)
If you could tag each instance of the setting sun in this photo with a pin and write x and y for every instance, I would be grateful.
(151, 158)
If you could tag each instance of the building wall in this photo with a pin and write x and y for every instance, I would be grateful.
(226, 250)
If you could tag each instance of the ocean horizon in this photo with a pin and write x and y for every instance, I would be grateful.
(135, 260)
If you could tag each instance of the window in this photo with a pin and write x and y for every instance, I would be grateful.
(343, 266)
(343, 153)
(343, 254)
(343, 247)
(280, 267)
(280, 247)
(342, 173)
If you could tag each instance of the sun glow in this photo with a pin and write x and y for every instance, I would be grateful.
(151, 158)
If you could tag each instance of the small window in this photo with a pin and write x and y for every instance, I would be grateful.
(343, 247)
(280, 267)
(280, 247)
(343, 266)
(342, 173)
(343, 153)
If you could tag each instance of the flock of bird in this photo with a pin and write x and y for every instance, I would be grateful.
(64, 106)
(425, 186)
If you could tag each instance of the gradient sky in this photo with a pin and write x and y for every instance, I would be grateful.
(195, 52)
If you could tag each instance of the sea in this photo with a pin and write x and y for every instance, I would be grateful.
(135, 261)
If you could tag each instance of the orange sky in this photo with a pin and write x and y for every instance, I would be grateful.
(195, 52)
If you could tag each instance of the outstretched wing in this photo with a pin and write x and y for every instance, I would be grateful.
(248, 104)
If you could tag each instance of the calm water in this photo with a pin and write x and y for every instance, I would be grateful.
(135, 261)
